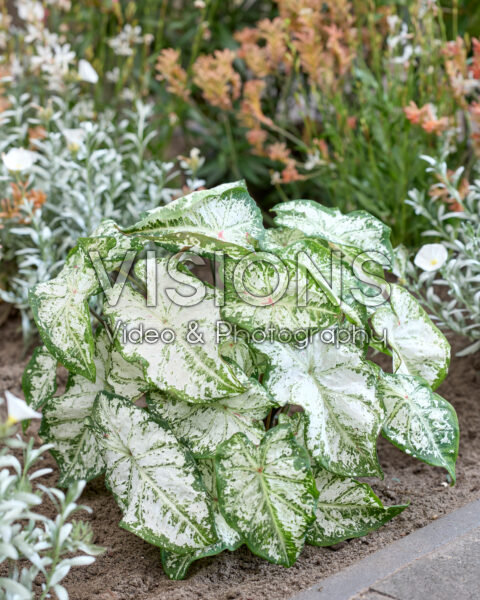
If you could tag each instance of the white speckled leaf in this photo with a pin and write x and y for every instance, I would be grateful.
(338, 279)
(337, 389)
(64, 422)
(224, 218)
(39, 381)
(267, 493)
(60, 309)
(203, 427)
(357, 230)
(419, 347)
(261, 280)
(111, 244)
(126, 378)
(420, 422)
(193, 372)
(346, 509)
(277, 239)
(153, 478)
(176, 565)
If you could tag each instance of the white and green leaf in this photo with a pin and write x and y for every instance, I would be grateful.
(125, 378)
(153, 477)
(336, 387)
(203, 427)
(39, 381)
(420, 348)
(420, 422)
(60, 309)
(346, 509)
(276, 239)
(64, 422)
(176, 565)
(193, 372)
(254, 300)
(224, 218)
(267, 493)
(353, 232)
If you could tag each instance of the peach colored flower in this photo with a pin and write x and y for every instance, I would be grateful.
(170, 70)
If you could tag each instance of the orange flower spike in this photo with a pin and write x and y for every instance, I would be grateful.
(413, 113)
(476, 58)
(279, 151)
(290, 173)
(257, 138)
(216, 77)
(170, 70)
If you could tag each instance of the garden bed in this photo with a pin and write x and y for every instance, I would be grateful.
(131, 569)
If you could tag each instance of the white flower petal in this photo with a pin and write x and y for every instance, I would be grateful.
(86, 72)
(19, 159)
(431, 257)
(18, 409)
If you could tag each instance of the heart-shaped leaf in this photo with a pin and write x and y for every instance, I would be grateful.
(354, 232)
(346, 509)
(60, 309)
(203, 427)
(420, 348)
(189, 367)
(64, 421)
(39, 381)
(224, 218)
(267, 493)
(336, 387)
(268, 297)
(153, 478)
(176, 565)
(420, 422)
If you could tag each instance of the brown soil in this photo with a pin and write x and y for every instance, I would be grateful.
(131, 569)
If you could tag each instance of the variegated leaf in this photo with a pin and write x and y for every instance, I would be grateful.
(203, 427)
(153, 478)
(298, 425)
(346, 509)
(191, 370)
(419, 347)
(60, 309)
(420, 422)
(254, 300)
(176, 565)
(277, 239)
(126, 378)
(241, 354)
(111, 244)
(353, 232)
(39, 381)
(224, 218)
(333, 276)
(267, 493)
(64, 421)
(336, 387)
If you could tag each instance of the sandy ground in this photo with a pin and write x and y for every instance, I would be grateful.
(131, 569)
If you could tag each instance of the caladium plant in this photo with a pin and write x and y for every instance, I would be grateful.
(227, 390)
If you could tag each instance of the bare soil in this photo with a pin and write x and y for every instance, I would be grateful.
(131, 568)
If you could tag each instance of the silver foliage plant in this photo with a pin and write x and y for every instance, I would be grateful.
(89, 170)
(451, 292)
(37, 552)
(207, 445)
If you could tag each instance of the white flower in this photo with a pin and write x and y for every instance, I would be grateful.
(19, 159)
(18, 409)
(431, 257)
(74, 138)
(29, 10)
(86, 72)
